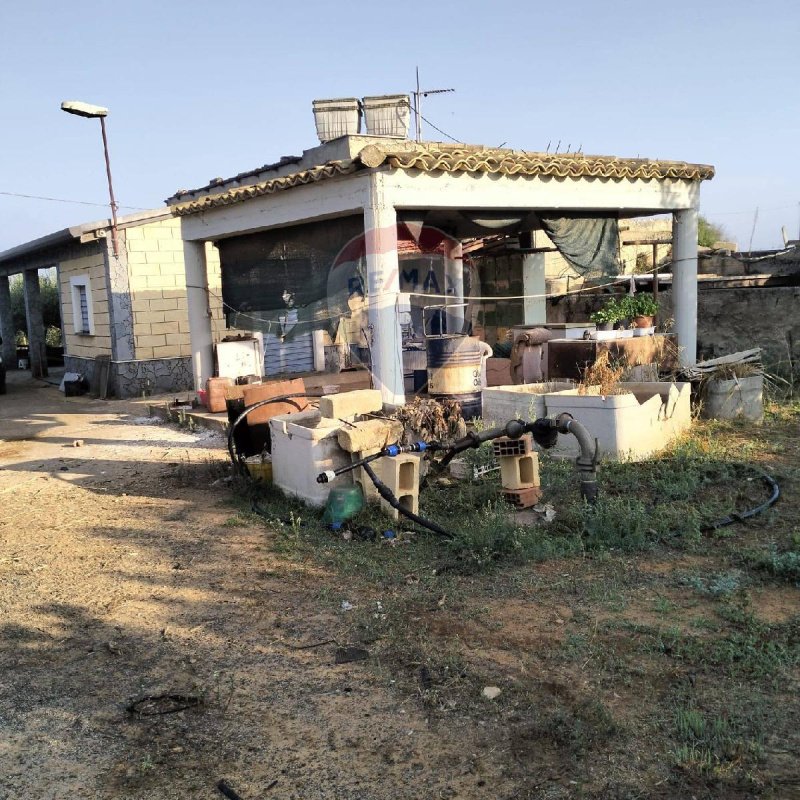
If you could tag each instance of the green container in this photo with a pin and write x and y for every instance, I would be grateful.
(344, 502)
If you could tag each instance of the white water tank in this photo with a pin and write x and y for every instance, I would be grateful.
(388, 115)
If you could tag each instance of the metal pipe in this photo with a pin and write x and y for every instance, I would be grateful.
(114, 242)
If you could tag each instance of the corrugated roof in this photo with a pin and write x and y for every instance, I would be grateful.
(462, 158)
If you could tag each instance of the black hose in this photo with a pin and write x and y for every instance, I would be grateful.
(284, 398)
(386, 493)
(737, 516)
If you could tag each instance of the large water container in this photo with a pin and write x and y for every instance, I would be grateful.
(454, 371)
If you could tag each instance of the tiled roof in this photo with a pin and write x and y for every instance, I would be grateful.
(446, 158)
(461, 158)
(241, 193)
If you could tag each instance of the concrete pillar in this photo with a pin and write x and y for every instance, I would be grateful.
(533, 283)
(33, 313)
(684, 282)
(200, 332)
(383, 295)
(454, 285)
(123, 343)
(9, 351)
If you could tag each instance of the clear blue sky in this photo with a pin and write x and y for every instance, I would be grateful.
(203, 89)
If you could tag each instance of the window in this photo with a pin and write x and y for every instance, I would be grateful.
(82, 318)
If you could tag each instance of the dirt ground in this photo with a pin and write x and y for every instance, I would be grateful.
(128, 569)
(119, 578)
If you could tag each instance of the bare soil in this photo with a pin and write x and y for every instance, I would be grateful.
(129, 569)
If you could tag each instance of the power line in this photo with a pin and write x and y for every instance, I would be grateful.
(62, 200)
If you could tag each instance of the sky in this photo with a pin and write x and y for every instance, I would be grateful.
(198, 90)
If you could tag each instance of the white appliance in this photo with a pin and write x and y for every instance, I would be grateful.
(239, 357)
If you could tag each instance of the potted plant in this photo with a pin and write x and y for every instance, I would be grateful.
(605, 317)
(644, 309)
(625, 312)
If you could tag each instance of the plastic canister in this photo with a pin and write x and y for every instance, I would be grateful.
(343, 503)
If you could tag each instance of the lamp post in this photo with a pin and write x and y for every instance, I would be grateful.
(98, 112)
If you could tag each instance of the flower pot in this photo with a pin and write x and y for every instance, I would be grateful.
(622, 324)
(642, 321)
(605, 326)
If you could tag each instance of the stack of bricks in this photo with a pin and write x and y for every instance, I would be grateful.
(519, 470)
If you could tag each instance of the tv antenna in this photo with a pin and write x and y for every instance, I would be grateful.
(418, 95)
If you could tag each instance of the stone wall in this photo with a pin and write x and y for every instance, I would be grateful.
(136, 378)
(728, 320)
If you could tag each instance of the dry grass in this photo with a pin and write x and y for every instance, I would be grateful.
(603, 373)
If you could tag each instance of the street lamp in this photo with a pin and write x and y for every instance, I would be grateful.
(90, 111)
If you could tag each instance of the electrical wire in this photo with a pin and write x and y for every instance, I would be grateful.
(62, 200)
(438, 130)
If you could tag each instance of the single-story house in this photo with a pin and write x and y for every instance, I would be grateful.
(321, 238)
(130, 308)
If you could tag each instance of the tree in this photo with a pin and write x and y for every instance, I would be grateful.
(51, 306)
(708, 234)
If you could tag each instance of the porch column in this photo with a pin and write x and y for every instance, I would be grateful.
(9, 351)
(33, 313)
(684, 282)
(533, 283)
(383, 294)
(454, 285)
(200, 335)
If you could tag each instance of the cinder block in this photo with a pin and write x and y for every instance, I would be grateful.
(503, 446)
(350, 404)
(401, 475)
(361, 478)
(146, 245)
(152, 341)
(523, 498)
(163, 304)
(518, 472)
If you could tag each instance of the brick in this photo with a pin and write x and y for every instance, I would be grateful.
(371, 434)
(523, 498)
(518, 472)
(145, 245)
(503, 446)
(163, 304)
(167, 351)
(350, 404)
(135, 258)
(143, 352)
(171, 245)
(133, 233)
(180, 339)
(149, 317)
(164, 327)
(175, 315)
(152, 341)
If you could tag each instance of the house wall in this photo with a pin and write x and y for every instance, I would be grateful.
(87, 262)
(158, 290)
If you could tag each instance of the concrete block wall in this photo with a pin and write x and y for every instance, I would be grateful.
(158, 290)
(91, 265)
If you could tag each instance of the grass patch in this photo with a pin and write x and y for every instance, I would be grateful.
(715, 744)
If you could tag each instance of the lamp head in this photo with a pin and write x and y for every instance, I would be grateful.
(83, 109)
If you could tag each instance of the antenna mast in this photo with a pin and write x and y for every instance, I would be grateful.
(418, 95)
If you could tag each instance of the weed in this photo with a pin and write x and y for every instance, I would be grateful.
(709, 743)
(785, 565)
(722, 584)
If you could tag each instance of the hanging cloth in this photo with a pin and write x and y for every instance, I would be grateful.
(589, 244)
